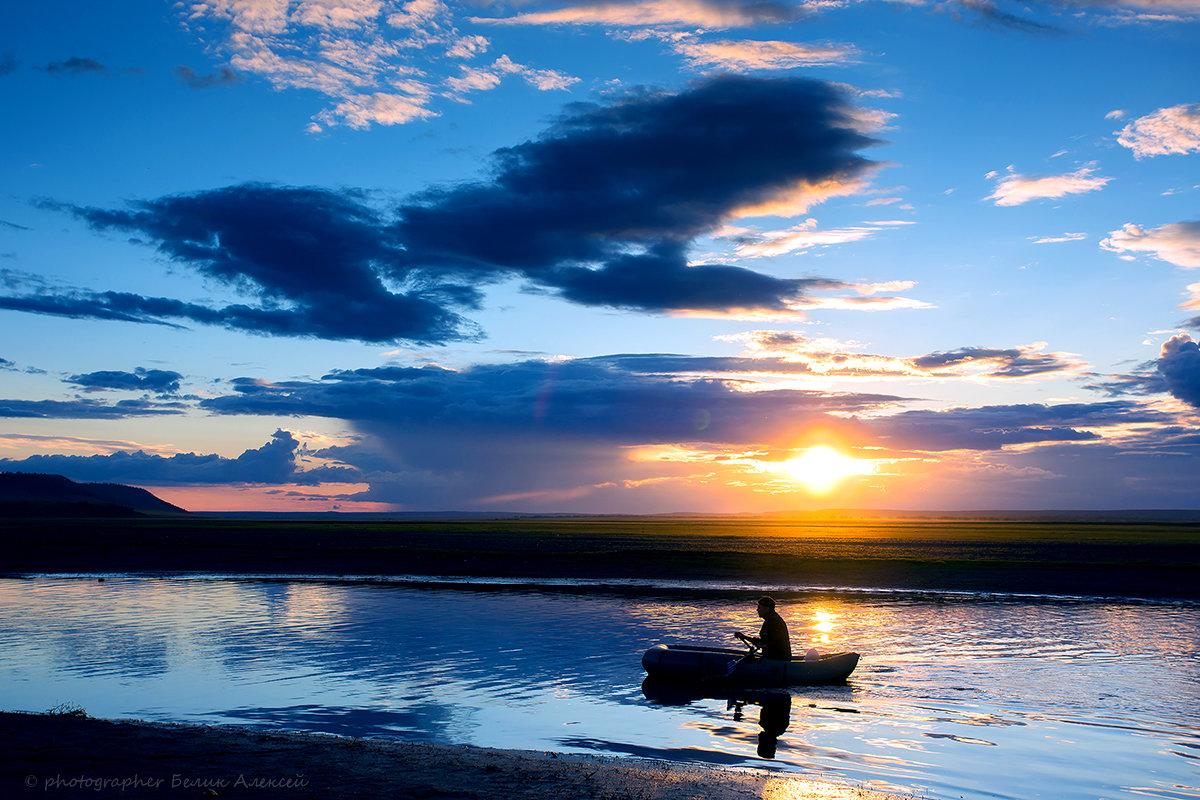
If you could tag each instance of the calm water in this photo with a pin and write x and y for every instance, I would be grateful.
(971, 697)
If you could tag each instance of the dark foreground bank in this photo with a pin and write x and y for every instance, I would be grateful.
(67, 756)
(1151, 560)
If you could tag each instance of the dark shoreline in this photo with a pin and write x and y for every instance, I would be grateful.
(1155, 561)
(75, 756)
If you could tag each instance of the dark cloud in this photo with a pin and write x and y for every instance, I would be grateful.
(74, 66)
(603, 206)
(1179, 367)
(580, 399)
(6, 364)
(1011, 362)
(8, 64)
(991, 13)
(222, 77)
(311, 256)
(1176, 371)
(1134, 383)
(274, 462)
(86, 409)
(13, 225)
(157, 381)
(601, 210)
(538, 434)
(804, 360)
(441, 438)
(996, 427)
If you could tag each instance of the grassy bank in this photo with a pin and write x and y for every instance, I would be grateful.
(1153, 560)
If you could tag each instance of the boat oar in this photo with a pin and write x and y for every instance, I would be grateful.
(734, 664)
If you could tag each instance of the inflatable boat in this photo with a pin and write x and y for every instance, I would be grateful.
(683, 662)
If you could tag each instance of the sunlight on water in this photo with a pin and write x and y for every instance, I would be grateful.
(955, 696)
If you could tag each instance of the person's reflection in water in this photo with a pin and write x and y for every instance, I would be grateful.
(774, 720)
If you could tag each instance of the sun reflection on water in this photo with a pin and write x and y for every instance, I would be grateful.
(807, 789)
(823, 625)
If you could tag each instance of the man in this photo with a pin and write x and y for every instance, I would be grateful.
(773, 637)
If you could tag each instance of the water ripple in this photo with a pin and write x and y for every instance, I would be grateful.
(956, 695)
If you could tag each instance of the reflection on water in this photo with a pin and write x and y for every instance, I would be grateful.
(957, 696)
(773, 718)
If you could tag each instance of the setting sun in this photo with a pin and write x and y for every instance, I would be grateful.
(821, 468)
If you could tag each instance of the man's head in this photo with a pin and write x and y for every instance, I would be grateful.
(766, 605)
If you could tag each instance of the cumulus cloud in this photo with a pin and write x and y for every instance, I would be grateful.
(601, 209)
(156, 381)
(311, 257)
(273, 463)
(603, 206)
(1177, 243)
(1168, 130)
(1015, 189)
(1179, 366)
(378, 62)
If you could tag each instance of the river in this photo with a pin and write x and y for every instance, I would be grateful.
(956, 695)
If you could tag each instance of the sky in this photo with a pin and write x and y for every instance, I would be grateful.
(604, 257)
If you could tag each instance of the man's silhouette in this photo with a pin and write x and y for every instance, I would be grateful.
(773, 636)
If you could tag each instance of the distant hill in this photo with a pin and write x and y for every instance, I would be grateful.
(26, 494)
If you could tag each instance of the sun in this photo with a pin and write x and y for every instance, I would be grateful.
(821, 469)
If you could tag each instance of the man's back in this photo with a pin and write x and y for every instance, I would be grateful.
(774, 635)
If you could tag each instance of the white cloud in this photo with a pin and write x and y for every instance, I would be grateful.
(801, 237)
(884, 286)
(685, 13)
(474, 79)
(1193, 296)
(379, 62)
(360, 111)
(1177, 243)
(1066, 237)
(1015, 189)
(468, 46)
(740, 56)
(829, 357)
(1169, 130)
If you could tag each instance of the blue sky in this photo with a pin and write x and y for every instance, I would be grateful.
(604, 257)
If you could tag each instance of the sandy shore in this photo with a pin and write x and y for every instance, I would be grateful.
(67, 756)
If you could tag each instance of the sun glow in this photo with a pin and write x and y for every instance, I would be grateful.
(821, 469)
